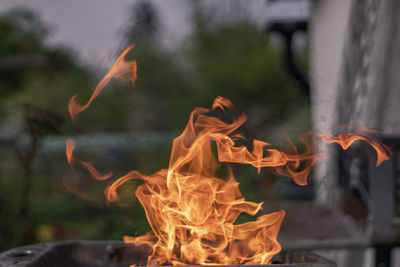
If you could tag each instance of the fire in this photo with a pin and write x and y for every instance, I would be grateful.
(345, 140)
(193, 213)
(84, 164)
(122, 70)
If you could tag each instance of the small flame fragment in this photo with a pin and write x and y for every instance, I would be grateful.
(71, 188)
(122, 70)
(345, 140)
(84, 164)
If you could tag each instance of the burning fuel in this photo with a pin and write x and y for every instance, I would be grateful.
(192, 213)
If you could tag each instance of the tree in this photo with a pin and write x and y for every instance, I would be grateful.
(143, 23)
(236, 59)
(31, 70)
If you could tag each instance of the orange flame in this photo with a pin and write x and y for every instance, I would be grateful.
(71, 188)
(193, 213)
(122, 70)
(84, 164)
(345, 140)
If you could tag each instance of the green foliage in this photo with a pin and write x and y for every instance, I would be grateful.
(8, 210)
(238, 61)
(22, 31)
(48, 83)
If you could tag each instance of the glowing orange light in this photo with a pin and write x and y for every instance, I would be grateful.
(347, 139)
(84, 164)
(122, 70)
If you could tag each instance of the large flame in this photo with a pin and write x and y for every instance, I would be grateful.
(192, 212)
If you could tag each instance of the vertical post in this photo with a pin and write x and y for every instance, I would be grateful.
(383, 255)
(328, 27)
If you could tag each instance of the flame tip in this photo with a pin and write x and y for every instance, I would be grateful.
(123, 70)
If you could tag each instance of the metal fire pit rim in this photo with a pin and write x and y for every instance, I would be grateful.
(31, 255)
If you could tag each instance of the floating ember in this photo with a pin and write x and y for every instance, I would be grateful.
(192, 212)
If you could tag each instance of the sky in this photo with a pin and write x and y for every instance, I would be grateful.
(93, 28)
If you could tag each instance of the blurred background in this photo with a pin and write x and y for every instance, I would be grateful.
(289, 65)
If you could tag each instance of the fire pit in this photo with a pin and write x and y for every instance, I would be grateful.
(118, 254)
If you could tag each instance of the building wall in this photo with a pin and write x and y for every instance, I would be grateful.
(386, 68)
(328, 31)
(356, 80)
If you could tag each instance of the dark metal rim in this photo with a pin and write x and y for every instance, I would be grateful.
(32, 255)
